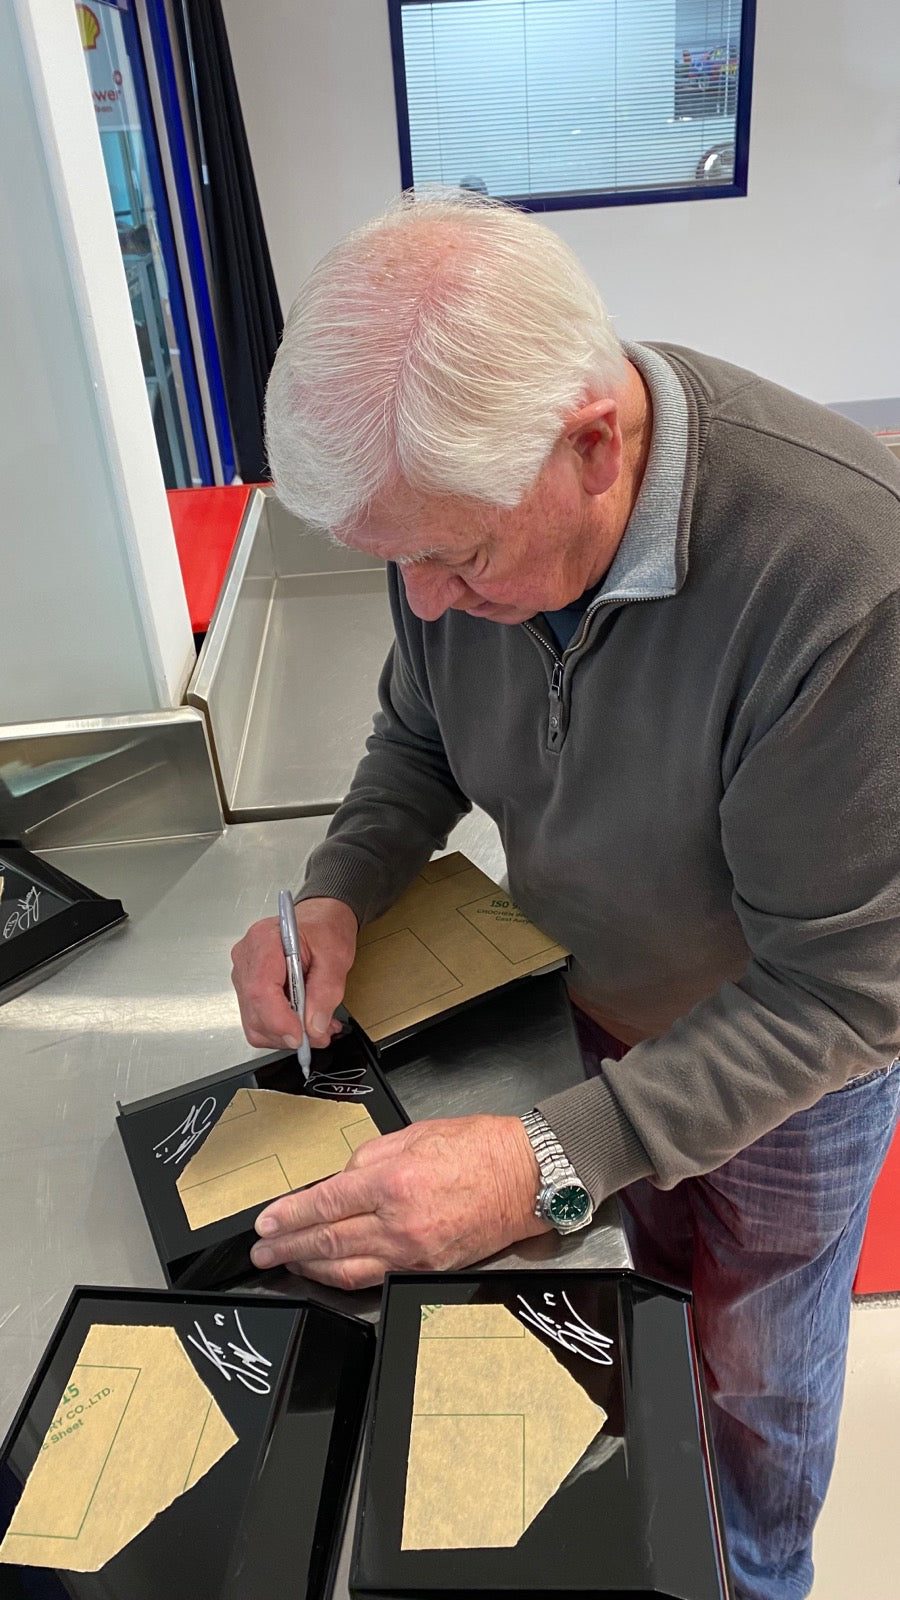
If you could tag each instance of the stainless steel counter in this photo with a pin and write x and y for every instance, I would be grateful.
(152, 1006)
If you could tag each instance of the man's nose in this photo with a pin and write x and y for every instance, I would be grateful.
(430, 589)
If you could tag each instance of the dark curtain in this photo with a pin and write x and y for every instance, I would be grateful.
(248, 313)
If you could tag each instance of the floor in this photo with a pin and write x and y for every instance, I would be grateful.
(857, 1548)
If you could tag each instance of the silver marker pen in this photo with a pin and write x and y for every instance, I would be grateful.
(290, 944)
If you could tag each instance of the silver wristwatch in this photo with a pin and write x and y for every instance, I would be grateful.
(562, 1198)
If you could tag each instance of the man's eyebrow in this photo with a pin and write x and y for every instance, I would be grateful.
(401, 561)
(419, 556)
(451, 558)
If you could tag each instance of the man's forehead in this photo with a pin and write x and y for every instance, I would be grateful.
(408, 530)
(391, 545)
(405, 552)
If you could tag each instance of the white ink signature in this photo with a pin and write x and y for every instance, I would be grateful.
(575, 1335)
(28, 914)
(341, 1083)
(197, 1122)
(245, 1363)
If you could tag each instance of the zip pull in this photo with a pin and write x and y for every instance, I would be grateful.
(556, 719)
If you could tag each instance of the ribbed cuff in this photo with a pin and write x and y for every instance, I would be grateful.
(335, 873)
(597, 1137)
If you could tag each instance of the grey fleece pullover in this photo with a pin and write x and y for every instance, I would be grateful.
(702, 800)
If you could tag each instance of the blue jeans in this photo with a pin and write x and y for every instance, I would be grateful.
(769, 1245)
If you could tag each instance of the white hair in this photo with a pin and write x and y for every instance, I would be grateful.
(444, 343)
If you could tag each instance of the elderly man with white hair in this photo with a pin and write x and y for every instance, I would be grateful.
(647, 616)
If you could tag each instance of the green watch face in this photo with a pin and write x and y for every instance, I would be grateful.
(570, 1203)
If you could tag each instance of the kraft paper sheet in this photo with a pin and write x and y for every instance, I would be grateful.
(265, 1144)
(136, 1427)
(498, 1423)
(453, 936)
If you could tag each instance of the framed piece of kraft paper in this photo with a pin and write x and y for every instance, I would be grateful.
(175, 1445)
(452, 938)
(209, 1154)
(538, 1432)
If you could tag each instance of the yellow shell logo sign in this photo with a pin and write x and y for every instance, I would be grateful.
(88, 27)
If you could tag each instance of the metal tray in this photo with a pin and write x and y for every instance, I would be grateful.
(287, 674)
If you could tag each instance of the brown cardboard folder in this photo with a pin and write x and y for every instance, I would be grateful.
(451, 938)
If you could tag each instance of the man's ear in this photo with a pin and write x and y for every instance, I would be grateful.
(594, 434)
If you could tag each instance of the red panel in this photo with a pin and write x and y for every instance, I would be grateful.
(879, 1264)
(206, 523)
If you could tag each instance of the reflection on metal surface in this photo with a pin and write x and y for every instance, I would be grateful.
(288, 673)
(222, 683)
(171, 1014)
(102, 780)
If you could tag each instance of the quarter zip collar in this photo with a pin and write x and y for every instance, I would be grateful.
(557, 711)
(651, 561)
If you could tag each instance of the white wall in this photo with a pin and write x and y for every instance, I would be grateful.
(93, 618)
(798, 280)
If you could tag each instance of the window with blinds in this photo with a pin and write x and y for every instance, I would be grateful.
(560, 103)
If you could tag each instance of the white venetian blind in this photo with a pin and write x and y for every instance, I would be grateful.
(571, 97)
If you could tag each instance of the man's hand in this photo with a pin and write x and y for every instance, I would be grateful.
(328, 932)
(437, 1195)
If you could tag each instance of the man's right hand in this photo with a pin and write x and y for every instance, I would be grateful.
(328, 932)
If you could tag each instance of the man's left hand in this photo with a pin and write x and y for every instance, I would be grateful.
(436, 1195)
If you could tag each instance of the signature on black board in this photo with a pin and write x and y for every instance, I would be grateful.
(176, 1145)
(27, 915)
(573, 1333)
(234, 1358)
(339, 1083)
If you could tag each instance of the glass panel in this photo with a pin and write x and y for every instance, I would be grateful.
(118, 112)
(527, 98)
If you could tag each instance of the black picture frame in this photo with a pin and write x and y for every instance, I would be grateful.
(643, 1517)
(275, 1503)
(509, 993)
(154, 1129)
(68, 917)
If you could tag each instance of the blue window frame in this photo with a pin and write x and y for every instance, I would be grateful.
(160, 43)
(557, 104)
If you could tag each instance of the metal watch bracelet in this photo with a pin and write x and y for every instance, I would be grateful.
(556, 1172)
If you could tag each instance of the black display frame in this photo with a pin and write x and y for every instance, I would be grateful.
(29, 956)
(219, 1254)
(411, 1031)
(325, 1366)
(658, 1491)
